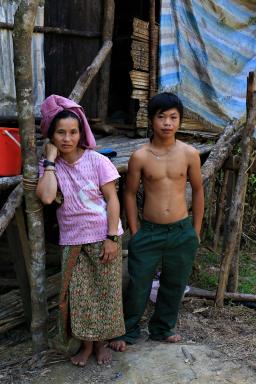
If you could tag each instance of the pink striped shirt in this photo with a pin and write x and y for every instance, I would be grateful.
(82, 217)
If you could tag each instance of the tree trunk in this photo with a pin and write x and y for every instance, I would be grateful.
(22, 37)
(107, 35)
(237, 208)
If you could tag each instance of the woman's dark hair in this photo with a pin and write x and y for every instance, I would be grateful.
(162, 102)
(63, 115)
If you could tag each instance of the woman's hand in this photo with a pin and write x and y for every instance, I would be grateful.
(51, 152)
(109, 251)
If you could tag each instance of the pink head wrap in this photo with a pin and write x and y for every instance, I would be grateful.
(55, 104)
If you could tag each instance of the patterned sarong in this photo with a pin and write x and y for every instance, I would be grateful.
(91, 294)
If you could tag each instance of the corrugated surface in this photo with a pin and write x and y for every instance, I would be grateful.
(207, 49)
(7, 83)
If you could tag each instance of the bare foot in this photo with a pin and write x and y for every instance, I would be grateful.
(173, 339)
(103, 354)
(118, 345)
(83, 355)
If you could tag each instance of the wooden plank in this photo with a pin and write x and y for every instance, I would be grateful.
(125, 146)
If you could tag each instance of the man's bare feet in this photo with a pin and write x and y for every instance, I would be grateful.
(103, 354)
(173, 339)
(83, 355)
(118, 345)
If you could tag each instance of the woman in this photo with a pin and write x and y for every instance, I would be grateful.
(90, 229)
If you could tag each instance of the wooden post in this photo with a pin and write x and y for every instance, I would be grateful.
(107, 34)
(24, 22)
(221, 208)
(237, 209)
(153, 49)
(18, 259)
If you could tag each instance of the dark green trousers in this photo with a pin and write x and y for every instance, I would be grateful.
(173, 246)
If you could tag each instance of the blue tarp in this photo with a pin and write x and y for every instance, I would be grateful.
(207, 49)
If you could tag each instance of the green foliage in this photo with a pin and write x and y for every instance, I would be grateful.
(251, 188)
(208, 272)
(247, 278)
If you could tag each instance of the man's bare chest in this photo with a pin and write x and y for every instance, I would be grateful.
(165, 169)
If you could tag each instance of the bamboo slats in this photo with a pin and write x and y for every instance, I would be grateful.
(140, 73)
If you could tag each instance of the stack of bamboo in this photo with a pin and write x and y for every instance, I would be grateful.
(140, 73)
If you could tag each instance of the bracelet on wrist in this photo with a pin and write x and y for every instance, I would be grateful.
(47, 163)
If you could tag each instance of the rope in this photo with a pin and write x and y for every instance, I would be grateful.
(30, 184)
(36, 210)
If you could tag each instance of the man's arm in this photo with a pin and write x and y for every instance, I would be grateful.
(195, 178)
(132, 186)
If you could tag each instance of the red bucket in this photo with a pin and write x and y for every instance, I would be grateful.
(10, 152)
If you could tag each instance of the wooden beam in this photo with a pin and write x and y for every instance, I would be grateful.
(57, 31)
(8, 210)
(107, 35)
(85, 79)
(153, 49)
(9, 182)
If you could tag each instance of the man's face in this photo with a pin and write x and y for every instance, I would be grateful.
(165, 124)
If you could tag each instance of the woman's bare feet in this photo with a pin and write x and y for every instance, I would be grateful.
(83, 355)
(173, 339)
(118, 345)
(103, 354)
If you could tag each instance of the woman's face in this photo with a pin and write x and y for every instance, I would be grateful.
(66, 135)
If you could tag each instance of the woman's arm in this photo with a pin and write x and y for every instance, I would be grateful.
(110, 248)
(47, 185)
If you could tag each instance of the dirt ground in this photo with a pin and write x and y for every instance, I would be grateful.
(219, 346)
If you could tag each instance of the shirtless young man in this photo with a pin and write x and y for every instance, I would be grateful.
(167, 235)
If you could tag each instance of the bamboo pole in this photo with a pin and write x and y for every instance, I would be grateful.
(205, 294)
(56, 30)
(107, 35)
(24, 22)
(237, 208)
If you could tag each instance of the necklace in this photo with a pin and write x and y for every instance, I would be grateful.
(158, 156)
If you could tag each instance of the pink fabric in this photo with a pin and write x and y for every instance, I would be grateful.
(82, 217)
(55, 104)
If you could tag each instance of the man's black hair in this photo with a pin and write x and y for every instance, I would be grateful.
(63, 115)
(162, 102)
